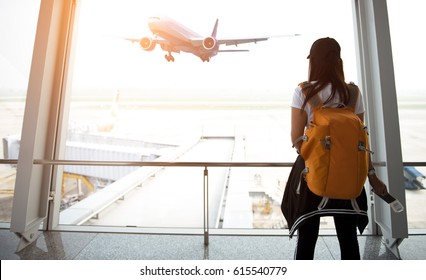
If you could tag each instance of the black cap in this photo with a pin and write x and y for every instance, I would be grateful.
(321, 48)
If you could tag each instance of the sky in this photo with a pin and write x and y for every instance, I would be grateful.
(267, 66)
(18, 20)
(104, 60)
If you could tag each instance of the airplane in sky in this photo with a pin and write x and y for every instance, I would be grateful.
(174, 37)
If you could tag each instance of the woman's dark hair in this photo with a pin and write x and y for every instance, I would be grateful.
(324, 70)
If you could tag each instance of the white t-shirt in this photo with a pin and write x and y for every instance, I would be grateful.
(299, 97)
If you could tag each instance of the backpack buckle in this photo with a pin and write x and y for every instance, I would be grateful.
(327, 142)
(362, 147)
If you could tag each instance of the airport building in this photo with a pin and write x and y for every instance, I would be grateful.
(109, 151)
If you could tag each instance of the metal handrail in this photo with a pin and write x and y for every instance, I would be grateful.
(163, 163)
(8, 161)
(181, 164)
(174, 163)
(414, 163)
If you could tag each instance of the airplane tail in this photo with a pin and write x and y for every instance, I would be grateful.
(215, 29)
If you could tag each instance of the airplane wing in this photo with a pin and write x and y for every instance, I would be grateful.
(137, 40)
(232, 50)
(133, 40)
(228, 42)
(236, 42)
(165, 45)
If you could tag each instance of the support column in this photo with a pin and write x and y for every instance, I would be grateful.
(378, 85)
(42, 111)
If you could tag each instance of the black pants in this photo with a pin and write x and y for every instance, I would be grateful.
(346, 233)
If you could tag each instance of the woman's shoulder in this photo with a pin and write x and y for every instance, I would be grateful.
(304, 85)
(352, 85)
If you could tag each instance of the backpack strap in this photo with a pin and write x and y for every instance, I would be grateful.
(353, 96)
(325, 199)
(315, 102)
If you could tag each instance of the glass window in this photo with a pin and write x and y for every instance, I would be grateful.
(406, 20)
(18, 22)
(136, 97)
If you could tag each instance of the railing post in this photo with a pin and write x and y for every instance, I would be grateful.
(206, 205)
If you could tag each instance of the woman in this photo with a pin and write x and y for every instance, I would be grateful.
(327, 81)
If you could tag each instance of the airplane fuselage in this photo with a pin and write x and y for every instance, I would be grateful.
(181, 38)
(174, 37)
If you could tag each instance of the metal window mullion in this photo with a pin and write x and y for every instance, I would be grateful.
(206, 205)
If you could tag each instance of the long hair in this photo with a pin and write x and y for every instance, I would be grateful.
(324, 71)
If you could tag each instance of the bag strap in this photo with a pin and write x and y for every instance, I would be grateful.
(353, 96)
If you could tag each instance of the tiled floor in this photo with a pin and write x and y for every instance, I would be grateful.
(118, 246)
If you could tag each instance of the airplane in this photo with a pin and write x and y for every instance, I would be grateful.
(174, 37)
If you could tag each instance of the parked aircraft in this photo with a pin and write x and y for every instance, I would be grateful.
(174, 37)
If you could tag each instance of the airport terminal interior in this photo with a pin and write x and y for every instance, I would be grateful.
(120, 144)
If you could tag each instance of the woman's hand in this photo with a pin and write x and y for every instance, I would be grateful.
(379, 187)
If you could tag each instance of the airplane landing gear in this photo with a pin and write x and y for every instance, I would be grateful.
(169, 58)
(205, 59)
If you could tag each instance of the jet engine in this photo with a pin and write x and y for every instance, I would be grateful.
(147, 44)
(209, 43)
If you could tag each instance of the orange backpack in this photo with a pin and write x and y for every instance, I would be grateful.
(335, 149)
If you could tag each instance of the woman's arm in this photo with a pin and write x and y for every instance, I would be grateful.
(378, 186)
(298, 123)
